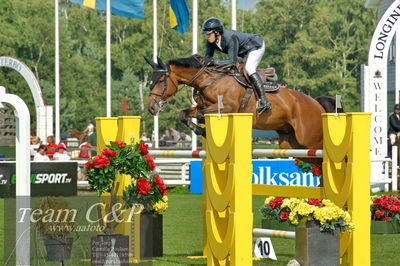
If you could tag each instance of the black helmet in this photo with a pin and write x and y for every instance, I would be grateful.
(212, 25)
(396, 106)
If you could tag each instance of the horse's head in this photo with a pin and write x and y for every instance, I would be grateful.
(162, 86)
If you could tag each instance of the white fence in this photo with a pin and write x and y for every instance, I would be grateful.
(175, 172)
(390, 177)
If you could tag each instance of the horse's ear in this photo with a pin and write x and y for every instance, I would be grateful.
(161, 63)
(151, 63)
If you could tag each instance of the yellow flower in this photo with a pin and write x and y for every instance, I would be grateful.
(267, 200)
(162, 205)
(327, 203)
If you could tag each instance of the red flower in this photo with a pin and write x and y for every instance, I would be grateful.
(121, 144)
(150, 161)
(386, 219)
(398, 197)
(109, 152)
(284, 216)
(377, 201)
(316, 170)
(279, 200)
(161, 185)
(378, 214)
(315, 202)
(88, 165)
(101, 161)
(144, 148)
(143, 186)
(272, 204)
(296, 161)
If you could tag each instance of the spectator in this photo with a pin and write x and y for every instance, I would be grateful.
(85, 145)
(61, 154)
(40, 155)
(174, 134)
(394, 124)
(63, 140)
(144, 137)
(35, 143)
(89, 130)
(283, 84)
(50, 147)
(167, 138)
(183, 140)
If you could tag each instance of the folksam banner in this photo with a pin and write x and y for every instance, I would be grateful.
(123, 8)
(265, 172)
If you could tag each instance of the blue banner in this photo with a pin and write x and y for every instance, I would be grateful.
(266, 172)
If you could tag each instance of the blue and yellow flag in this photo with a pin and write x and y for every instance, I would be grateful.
(123, 8)
(179, 15)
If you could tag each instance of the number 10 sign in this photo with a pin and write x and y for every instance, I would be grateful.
(263, 248)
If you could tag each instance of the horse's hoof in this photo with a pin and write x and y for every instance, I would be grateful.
(200, 131)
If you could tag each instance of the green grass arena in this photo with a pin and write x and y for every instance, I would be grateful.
(183, 236)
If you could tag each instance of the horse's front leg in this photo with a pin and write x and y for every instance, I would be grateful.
(186, 115)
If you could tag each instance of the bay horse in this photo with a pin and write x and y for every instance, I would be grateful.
(295, 116)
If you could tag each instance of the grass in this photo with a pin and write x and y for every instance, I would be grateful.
(8, 152)
(183, 235)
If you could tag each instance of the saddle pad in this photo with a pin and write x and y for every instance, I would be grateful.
(270, 86)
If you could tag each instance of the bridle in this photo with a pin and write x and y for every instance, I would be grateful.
(167, 72)
(161, 72)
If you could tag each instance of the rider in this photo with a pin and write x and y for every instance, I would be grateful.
(235, 43)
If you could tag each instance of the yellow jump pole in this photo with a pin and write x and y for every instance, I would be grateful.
(228, 190)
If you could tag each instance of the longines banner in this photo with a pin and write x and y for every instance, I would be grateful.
(47, 179)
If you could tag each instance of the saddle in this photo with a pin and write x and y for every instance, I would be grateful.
(268, 76)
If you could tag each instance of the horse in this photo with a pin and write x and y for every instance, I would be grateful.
(77, 134)
(295, 116)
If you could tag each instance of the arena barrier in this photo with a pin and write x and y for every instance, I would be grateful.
(228, 197)
(227, 166)
(260, 232)
(300, 153)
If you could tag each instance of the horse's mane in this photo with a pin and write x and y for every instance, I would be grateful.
(195, 61)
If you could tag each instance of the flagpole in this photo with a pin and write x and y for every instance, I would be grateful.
(194, 51)
(57, 75)
(233, 14)
(156, 130)
(108, 58)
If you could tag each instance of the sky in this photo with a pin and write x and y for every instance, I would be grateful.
(246, 4)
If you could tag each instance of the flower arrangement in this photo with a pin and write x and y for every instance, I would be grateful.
(295, 211)
(146, 188)
(386, 208)
(308, 167)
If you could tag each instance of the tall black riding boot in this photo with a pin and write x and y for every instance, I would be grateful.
(263, 103)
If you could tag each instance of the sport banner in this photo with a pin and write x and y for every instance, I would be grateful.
(47, 179)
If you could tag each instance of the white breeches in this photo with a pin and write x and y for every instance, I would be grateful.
(253, 59)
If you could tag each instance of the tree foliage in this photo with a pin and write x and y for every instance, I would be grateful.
(315, 45)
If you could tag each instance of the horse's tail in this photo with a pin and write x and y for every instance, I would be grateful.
(329, 104)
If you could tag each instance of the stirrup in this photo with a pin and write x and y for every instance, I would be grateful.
(262, 108)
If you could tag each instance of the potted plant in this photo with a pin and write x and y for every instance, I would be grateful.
(276, 217)
(385, 214)
(318, 223)
(55, 221)
(146, 190)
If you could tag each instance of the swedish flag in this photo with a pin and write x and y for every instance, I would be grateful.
(123, 8)
(179, 15)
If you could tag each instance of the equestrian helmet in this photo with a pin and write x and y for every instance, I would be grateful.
(396, 107)
(212, 25)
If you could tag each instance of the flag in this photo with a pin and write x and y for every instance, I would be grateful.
(179, 15)
(123, 8)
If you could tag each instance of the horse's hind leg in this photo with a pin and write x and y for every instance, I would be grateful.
(186, 115)
(287, 140)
